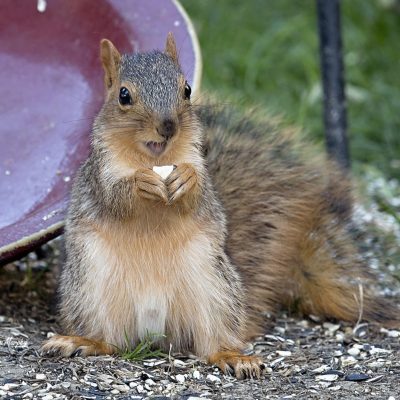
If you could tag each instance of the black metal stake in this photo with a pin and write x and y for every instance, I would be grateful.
(333, 82)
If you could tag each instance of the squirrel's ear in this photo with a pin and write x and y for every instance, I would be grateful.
(110, 59)
(170, 48)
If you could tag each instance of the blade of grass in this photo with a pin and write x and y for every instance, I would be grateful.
(144, 349)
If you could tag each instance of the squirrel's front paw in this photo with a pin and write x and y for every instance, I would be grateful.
(182, 180)
(150, 185)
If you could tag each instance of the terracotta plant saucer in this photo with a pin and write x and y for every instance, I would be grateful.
(51, 88)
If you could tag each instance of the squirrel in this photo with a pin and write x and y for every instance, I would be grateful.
(247, 222)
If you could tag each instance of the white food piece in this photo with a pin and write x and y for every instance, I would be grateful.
(163, 171)
(41, 6)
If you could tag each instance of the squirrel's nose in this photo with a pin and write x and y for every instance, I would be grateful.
(167, 129)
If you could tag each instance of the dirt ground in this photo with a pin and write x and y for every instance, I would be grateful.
(304, 358)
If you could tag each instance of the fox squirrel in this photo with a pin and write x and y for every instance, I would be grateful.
(245, 223)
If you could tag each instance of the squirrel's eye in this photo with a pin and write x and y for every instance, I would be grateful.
(124, 96)
(188, 91)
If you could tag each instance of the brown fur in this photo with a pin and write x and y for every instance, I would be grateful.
(293, 245)
(198, 257)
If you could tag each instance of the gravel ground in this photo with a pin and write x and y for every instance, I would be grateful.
(304, 359)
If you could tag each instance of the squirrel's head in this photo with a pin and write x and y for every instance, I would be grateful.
(147, 105)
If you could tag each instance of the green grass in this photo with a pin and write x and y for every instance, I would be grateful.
(145, 349)
(265, 53)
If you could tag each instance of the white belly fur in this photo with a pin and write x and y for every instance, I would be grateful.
(146, 282)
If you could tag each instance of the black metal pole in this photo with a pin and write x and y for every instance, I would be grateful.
(333, 81)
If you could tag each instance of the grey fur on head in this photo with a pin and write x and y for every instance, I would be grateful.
(152, 73)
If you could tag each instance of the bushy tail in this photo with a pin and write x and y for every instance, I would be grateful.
(329, 276)
(288, 211)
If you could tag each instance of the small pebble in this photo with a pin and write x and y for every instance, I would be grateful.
(353, 351)
(340, 337)
(9, 386)
(303, 323)
(284, 353)
(376, 364)
(271, 337)
(280, 329)
(320, 369)
(180, 378)
(121, 388)
(41, 377)
(348, 360)
(324, 384)
(376, 350)
(332, 328)
(179, 363)
(277, 361)
(140, 388)
(196, 374)
(213, 378)
(327, 378)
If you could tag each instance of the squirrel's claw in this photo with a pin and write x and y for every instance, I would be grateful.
(150, 186)
(242, 366)
(71, 346)
(180, 182)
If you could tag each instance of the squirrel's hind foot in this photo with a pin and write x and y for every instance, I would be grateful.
(234, 362)
(69, 346)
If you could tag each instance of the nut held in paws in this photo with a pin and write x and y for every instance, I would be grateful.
(164, 171)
